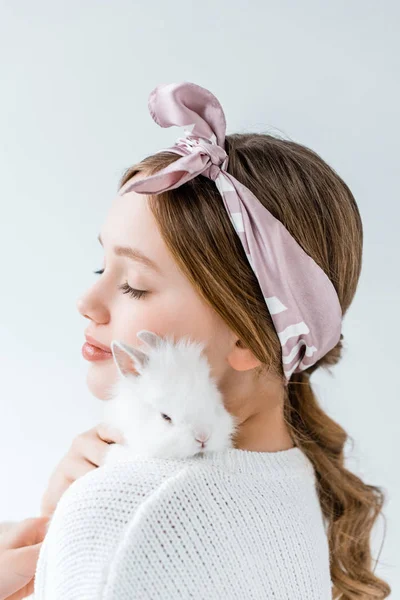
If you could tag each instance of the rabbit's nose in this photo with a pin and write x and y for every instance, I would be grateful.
(201, 437)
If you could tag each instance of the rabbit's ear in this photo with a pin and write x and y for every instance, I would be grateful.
(128, 359)
(149, 337)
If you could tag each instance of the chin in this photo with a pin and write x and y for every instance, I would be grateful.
(100, 376)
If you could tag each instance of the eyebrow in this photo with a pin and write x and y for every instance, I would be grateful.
(133, 254)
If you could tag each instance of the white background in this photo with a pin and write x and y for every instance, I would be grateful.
(75, 78)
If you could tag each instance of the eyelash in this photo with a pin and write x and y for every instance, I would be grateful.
(127, 289)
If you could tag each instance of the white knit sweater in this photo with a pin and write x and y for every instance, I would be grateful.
(224, 525)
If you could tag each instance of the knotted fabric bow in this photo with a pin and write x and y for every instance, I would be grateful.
(300, 297)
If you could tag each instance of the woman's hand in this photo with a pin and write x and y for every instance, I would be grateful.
(20, 544)
(87, 452)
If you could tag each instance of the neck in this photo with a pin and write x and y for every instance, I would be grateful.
(264, 432)
(258, 406)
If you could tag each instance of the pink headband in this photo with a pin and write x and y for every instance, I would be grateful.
(300, 297)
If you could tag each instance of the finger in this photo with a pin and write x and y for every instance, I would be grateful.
(24, 533)
(78, 467)
(96, 452)
(18, 566)
(109, 433)
(94, 446)
(91, 449)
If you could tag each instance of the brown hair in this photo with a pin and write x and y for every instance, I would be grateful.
(320, 212)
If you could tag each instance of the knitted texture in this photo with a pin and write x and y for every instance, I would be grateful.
(224, 525)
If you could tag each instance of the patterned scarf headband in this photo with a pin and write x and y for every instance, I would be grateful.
(300, 297)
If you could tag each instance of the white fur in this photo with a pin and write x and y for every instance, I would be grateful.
(171, 378)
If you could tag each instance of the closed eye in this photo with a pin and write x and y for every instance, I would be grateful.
(129, 290)
(126, 288)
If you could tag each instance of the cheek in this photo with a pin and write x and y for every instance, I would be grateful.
(180, 314)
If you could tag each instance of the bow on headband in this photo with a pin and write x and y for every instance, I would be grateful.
(300, 297)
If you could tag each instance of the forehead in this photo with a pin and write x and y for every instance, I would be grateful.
(130, 222)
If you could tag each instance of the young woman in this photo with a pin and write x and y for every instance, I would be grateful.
(278, 515)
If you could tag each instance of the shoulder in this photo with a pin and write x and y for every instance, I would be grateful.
(112, 494)
(173, 527)
(227, 534)
(89, 523)
(139, 477)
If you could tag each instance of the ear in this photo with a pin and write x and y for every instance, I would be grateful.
(241, 358)
(128, 359)
(149, 337)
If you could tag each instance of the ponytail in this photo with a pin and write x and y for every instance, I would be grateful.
(350, 507)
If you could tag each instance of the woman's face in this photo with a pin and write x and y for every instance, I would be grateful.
(170, 305)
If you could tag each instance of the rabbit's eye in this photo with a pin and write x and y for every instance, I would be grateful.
(166, 417)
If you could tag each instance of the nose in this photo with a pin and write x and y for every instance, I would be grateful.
(92, 307)
(202, 437)
(80, 305)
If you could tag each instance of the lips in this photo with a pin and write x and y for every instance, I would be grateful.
(93, 350)
(93, 342)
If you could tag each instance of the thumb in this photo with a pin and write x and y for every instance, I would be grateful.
(24, 533)
(17, 567)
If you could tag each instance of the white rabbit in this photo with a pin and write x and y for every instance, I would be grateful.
(165, 401)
